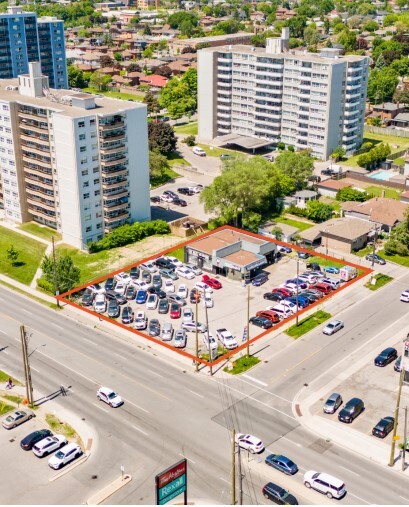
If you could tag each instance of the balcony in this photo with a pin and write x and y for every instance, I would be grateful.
(123, 171)
(114, 149)
(116, 207)
(109, 163)
(35, 149)
(111, 126)
(40, 202)
(223, 122)
(225, 60)
(31, 114)
(39, 192)
(40, 213)
(105, 136)
(119, 217)
(120, 192)
(34, 138)
(352, 95)
(221, 84)
(223, 107)
(33, 126)
(224, 76)
(224, 99)
(37, 161)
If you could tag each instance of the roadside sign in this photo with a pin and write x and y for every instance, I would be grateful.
(397, 437)
(244, 334)
(171, 482)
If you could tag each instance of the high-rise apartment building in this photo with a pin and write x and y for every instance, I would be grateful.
(71, 161)
(303, 99)
(24, 39)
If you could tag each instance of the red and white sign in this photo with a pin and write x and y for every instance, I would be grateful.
(171, 474)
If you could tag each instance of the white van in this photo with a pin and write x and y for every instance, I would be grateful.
(283, 311)
(325, 484)
(199, 151)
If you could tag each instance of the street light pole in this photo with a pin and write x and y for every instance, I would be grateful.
(374, 246)
(248, 320)
(55, 273)
(395, 424)
(404, 440)
(197, 336)
(233, 469)
(298, 288)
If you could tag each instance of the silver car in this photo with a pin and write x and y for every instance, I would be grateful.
(180, 339)
(187, 315)
(191, 326)
(333, 327)
(16, 418)
(167, 332)
(332, 404)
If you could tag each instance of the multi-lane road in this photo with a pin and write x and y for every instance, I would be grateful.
(170, 411)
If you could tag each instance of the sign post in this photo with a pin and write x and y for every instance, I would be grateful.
(171, 482)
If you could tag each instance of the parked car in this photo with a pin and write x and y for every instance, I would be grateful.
(185, 191)
(100, 303)
(325, 288)
(146, 276)
(177, 299)
(152, 302)
(398, 364)
(111, 294)
(182, 291)
(314, 266)
(325, 484)
(30, 440)
(123, 277)
(211, 282)
(114, 310)
(179, 202)
(127, 315)
(154, 327)
(65, 455)
(163, 306)
(141, 320)
(386, 356)
(303, 255)
(180, 340)
(282, 463)
(166, 198)
(48, 445)
(87, 297)
(283, 248)
(302, 301)
(197, 188)
(333, 403)
(199, 151)
(16, 418)
(278, 495)
(285, 292)
(209, 341)
(130, 292)
(202, 287)
(268, 314)
(187, 315)
(120, 287)
(168, 273)
(185, 272)
(331, 269)
(167, 332)
(110, 283)
(149, 266)
(121, 299)
(377, 259)
(333, 326)
(171, 194)
(134, 273)
(403, 297)
(175, 311)
(227, 339)
(155, 199)
(384, 427)
(169, 287)
(141, 285)
(164, 263)
(208, 301)
(261, 322)
(249, 443)
(109, 397)
(260, 279)
(334, 284)
(225, 156)
(159, 292)
(194, 294)
(351, 410)
(319, 275)
(141, 297)
(191, 326)
(274, 296)
(174, 260)
(195, 269)
(97, 288)
(310, 296)
(156, 281)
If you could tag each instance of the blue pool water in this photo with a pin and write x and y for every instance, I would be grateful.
(382, 175)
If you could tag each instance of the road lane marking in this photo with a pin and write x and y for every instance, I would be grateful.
(197, 394)
(183, 456)
(32, 368)
(291, 441)
(255, 380)
(141, 431)
(225, 480)
(56, 325)
(265, 391)
(359, 498)
(154, 373)
(350, 471)
(400, 496)
(137, 406)
(101, 408)
(2, 332)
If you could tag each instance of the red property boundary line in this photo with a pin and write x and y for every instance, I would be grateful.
(64, 298)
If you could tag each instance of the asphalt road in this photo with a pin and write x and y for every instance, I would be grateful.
(171, 412)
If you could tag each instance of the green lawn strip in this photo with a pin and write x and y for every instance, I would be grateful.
(63, 428)
(398, 259)
(179, 253)
(242, 364)
(115, 95)
(302, 226)
(396, 144)
(31, 254)
(168, 174)
(190, 129)
(399, 161)
(42, 232)
(376, 191)
(325, 262)
(91, 265)
(54, 306)
(175, 159)
(13, 398)
(220, 352)
(364, 251)
(212, 151)
(5, 376)
(308, 324)
(4, 408)
(381, 280)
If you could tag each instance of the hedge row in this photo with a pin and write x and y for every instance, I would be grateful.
(127, 234)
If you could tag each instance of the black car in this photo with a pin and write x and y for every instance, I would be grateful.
(146, 276)
(87, 298)
(134, 273)
(384, 427)
(327, 172)
(314, 178)
(310, 296)
(127, 315)
(278, 495)
(114, 310)
(260, 279)
(130, 292)
(351, 410)
(303, 255)
(121, 299)
(110, 284)
(110, 294)
(179, 202)
(314, 266)
(171, 194)
(154, 327)
(261, 322)
(185, 191)
(159, 292)
(194, 293)
(274, 296)
(163, 306)
(30, 440)
(155, 199)
(157, 281)
(164, 263)
(375, 258)
(386, 356)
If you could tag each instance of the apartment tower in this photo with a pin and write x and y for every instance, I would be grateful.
(24, 39)
(71, 161)
(303, 99)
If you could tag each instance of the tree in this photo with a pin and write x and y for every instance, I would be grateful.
(319, 211)
(179, 96)
(401, 96)
(399, 238)
(12, 255)
(152, 102)
(348, 40)
(178, 18)
(118, 56)
(338, 154)
(148, 52)
(351, 194)
(298, 166)
(146, 30)
(354, 22)
(158, 165)
(67, 275)
(297, 26)
(311, 35)
(106, 61)
(277, 232)
(75, 77)
(161, 137)
(371, 26)
(164, 70)
(188, 49)
(100, 81)
(107, 39)
(381, 84)
(226, 27)
(134, 67)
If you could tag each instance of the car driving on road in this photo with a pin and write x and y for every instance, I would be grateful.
(333, 327)
(109, 396)
(282, 463)
(249, 443)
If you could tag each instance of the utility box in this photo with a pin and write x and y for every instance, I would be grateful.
(348, 273)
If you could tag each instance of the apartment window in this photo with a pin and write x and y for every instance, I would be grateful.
(84, 161)
(93, 134)
(82, 137)
(92, 122)
(98, 214)
(8, 130)
(87, 218)
(89, 228)
(83, 149)
(99, 226)
(96, 181)
(5, 108)
(95, 146)
(9, 141)
(84, 172)
(97, 192)
(85, 184)
(95, 170)
(85, 196)
(94, 158)
(81, 124)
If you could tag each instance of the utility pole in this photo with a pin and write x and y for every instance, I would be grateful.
(395, 424)
(298, 289)
(233, 469)
(197, 336)
(208, 334)
(55, 273)
(248, 320)
(26, 364)
(374, 247)
(240, 477)
(404, 440)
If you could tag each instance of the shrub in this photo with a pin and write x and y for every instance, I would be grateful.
(189, 140)
(45, 285)
(290, 147)
(299, 212)
(281, 145)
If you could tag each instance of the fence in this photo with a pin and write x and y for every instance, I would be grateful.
(372, 181)
(386, 131)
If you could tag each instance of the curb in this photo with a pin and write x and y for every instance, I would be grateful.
(109, 490)
(71, 467)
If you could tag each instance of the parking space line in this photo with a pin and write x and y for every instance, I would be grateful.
(194, 462)
(255, 380)
(141, 431)
(197, 394)
(350, 471)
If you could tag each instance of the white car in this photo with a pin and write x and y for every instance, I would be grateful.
(405, 296)
(249, 442)
(325, 484)
(180, 339)
(191, 326)
(167, 332)
(208, 301)
(187, 314)
(141, 320)
(149, 266)
(291, 287)
(141, 285)
(97, 288)
(166, 198)
(66, 454)
(152, 302)
(209, 341)
(226, 338)
(185, 273)
(183, 291)
(48, 445)
(100, 303)
(332, 282)
(120, 288)
(196, 188)
(169, 287)
(333, 327)
(123, 277)
(203, 288)
(174, 260)
(109, 396)
(196, 271)
(307, 278)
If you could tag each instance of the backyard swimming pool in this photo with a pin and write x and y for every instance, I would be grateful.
(383, 175)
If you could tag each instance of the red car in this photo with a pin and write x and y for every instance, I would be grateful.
(285, 292)
(211, 282)
(269, 315)
(325, 288)
(175, 311)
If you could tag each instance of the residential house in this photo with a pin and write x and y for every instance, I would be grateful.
(330, 187)
(154, 81)
(388, 110)
(283, 14)
(401, 120)
(288, 231)
(303, 196)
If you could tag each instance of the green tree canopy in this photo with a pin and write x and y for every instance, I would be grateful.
(351, 194)
(161, 137)
(66, 273)
(318, 211)
(298, 166)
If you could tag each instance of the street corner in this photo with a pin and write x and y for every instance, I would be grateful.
(110, 489)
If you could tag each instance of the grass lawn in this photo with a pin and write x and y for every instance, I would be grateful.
(376, 191)
(62, 428)
(399, 259)
(168, 174)
(325, 262)
(5, 376)
(308, 324)
(396, 144)
(190, 129)
(91, 265)
(242, 364)
(364, 251)
(302, 226)
(115, 95)
(381, 280)
(214, 151)
(4, 408)
(175, 159)
(399, 161)
(179, 253)
(13, 398)
(31, 253)
(41, 231)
